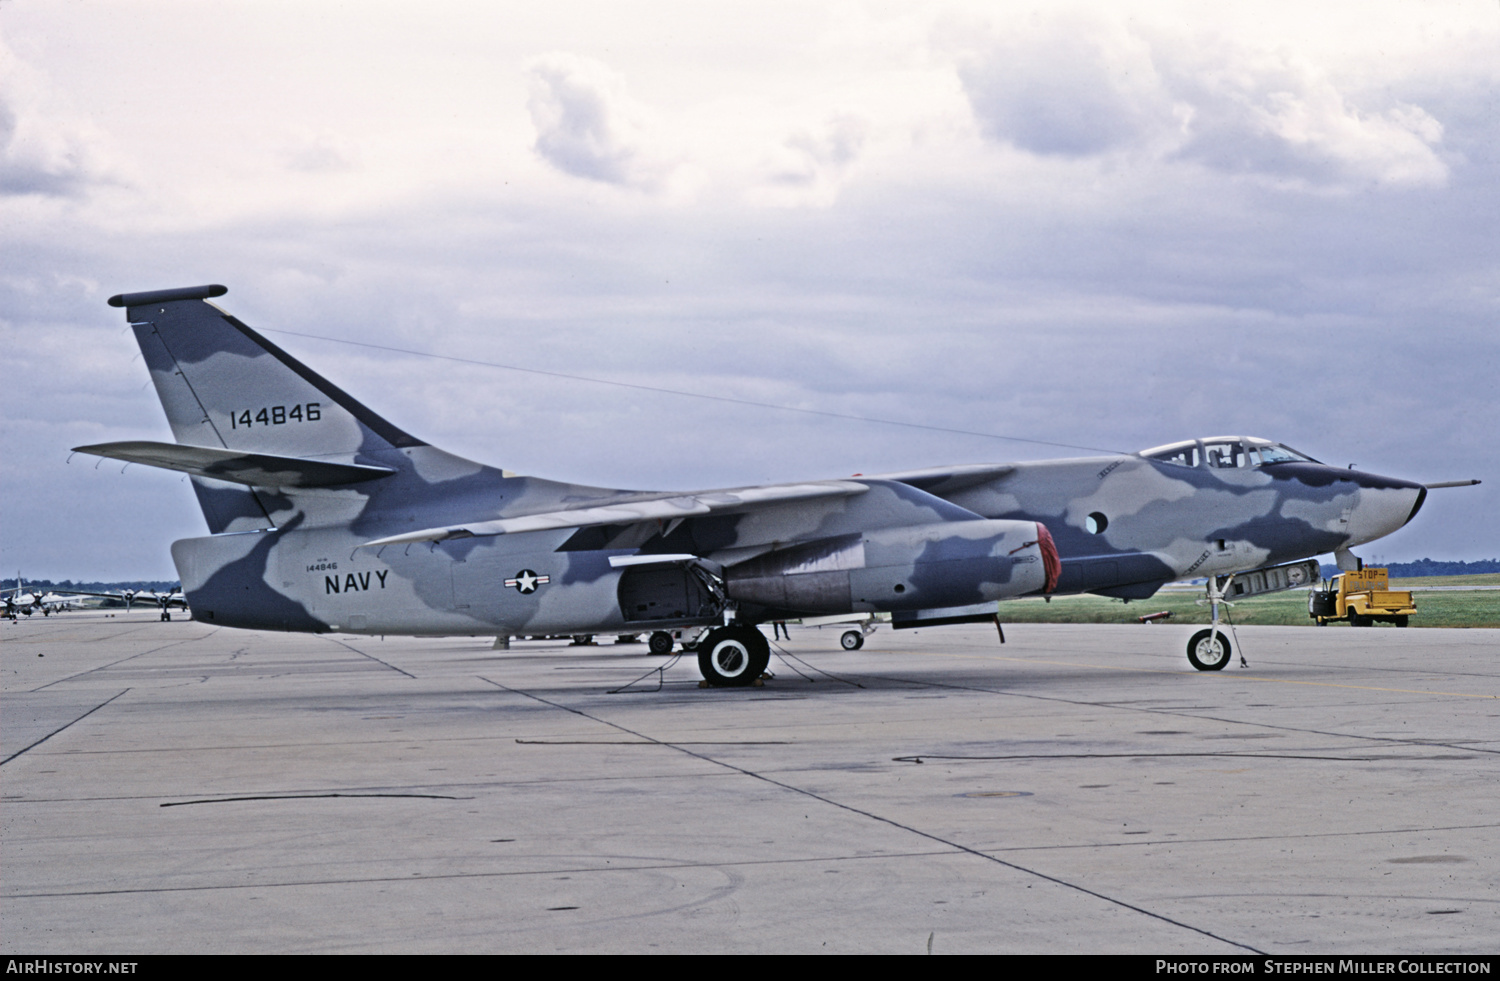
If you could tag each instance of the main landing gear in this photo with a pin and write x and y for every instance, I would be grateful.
(733, 656)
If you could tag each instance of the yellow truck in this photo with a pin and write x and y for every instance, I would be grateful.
(1362, 597)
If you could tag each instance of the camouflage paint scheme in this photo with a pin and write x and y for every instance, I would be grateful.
(324, 516)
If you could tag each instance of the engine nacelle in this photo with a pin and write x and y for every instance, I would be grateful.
(955, 563)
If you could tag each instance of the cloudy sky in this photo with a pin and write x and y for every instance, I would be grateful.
(1105, 225)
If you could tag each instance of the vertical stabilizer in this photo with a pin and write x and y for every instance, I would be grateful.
(222, 384)
(224, 387)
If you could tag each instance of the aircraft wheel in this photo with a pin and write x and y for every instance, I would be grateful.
(852, 640)
(660, 643)
(733, 656)
(1208, 652)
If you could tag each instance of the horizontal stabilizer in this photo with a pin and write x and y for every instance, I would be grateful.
(255, 469)
(630, 512)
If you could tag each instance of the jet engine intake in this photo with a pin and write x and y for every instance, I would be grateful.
(914, 567)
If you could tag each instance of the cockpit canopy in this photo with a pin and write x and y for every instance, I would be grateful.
(1225, 452)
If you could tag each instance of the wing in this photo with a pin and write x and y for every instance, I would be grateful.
(665, 509)
(942, 481)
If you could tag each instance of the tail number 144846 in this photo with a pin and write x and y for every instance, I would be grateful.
(276, 415)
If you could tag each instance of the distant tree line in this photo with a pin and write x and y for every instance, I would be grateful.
(1427, 567)
(157, 585)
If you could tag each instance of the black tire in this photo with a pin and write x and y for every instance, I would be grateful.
(660, 643)
(733, 657)
(1355, 620)
(1206, 652)
(852, 640)
(1401, 620)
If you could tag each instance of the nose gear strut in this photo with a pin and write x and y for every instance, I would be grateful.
(1210, 650)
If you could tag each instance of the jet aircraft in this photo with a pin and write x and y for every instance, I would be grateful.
(325, 516)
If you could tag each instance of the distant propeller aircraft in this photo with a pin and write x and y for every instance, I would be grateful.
(25, 602)
(164, 601)
(325, 516)
(21, 601)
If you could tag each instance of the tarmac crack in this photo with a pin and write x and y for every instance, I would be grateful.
(649, 742)
(511, 873)
(62, 727)
(104, 667)
(370, 656)
(1156, 842)
(234, 800)
(923, 757)
(977, 853)
(1180, 714)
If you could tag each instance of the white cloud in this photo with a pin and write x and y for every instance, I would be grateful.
(588, 126)
(1066, 88)
(810, 166)
(1278, 116)
(319, 153)
(42, 152)
(829, 149)
(1090, 88)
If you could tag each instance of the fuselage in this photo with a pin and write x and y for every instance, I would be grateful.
(323, 515)
(1123, 525)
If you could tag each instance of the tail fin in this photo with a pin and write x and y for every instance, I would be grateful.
(222, 384)
(269, 441)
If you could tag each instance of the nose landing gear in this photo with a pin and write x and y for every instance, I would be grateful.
(1210, 650)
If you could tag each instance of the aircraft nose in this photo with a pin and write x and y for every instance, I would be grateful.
(1385, 505)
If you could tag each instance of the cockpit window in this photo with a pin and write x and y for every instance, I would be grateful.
(1276, 453)
(1177, 454)
(1225, 452)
